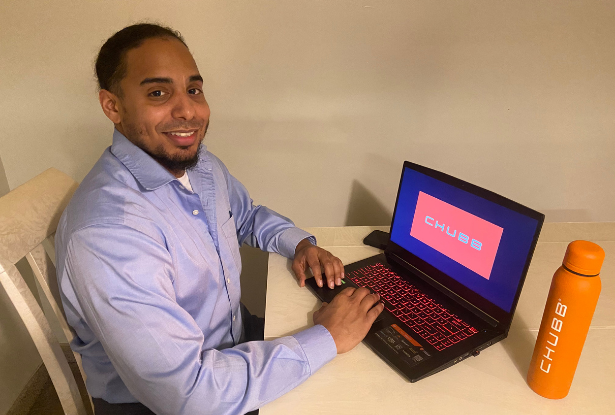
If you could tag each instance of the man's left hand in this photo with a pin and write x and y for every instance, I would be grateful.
(319, 261)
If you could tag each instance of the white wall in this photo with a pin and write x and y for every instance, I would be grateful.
(316, 103)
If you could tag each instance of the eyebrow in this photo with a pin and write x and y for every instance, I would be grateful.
(193, 78)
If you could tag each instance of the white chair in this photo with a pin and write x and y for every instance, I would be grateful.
(29, 217)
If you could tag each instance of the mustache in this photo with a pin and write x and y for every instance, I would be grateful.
(185, 125)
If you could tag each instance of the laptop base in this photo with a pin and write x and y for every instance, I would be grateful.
(400, 346)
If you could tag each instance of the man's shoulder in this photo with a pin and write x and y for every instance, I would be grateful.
(109, 194)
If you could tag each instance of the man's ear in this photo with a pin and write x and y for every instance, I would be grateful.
(110, 105)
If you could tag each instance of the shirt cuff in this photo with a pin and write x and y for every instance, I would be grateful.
(318, 346)
(290, 238)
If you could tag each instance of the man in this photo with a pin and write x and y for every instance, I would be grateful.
(148, 254)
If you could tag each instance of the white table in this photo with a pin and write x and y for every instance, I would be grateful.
(359, 382)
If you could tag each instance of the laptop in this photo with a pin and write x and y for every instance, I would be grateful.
(450, 276)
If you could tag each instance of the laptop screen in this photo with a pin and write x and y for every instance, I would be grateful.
(477, 241)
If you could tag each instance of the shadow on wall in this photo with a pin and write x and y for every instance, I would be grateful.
(87, 143)
(365, 209)
(4, 183)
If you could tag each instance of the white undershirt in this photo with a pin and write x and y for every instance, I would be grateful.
(185, 180)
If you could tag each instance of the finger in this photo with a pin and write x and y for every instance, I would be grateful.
(369, 300)
(329, 273)
(314, 263)
(360, 293)
(374, 312)
(348, 291)
(339, 271)
(299, 273)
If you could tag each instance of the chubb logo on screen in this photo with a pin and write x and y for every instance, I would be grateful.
(465, 238)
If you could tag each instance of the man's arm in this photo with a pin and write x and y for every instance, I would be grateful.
(123, 280)
(261, 227)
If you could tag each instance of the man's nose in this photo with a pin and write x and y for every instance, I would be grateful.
(183, 107)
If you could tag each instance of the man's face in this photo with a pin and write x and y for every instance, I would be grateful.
(162, 109)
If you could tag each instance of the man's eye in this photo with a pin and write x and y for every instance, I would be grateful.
(195, 91)
(156, 94)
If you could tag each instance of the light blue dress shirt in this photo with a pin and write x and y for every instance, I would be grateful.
(149, 279)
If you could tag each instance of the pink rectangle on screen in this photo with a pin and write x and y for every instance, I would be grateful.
(465, 238)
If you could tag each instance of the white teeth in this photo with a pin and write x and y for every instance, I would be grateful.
(183, 134)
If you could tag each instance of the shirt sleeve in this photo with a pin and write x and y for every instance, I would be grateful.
(259, 226)
(124, 279)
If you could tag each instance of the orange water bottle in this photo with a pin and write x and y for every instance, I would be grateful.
(568, 313)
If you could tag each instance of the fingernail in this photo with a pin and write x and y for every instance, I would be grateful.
(319, 283)
(331, 284)
(339, 281)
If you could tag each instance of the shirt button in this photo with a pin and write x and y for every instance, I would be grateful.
(181, 187)
(195, 212)
(228, 280)
(234, 318)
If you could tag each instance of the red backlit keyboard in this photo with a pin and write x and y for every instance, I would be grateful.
(434, 323)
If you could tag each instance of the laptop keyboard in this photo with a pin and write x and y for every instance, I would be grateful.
(438, 326)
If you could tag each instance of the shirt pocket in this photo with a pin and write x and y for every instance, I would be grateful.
(230, 236)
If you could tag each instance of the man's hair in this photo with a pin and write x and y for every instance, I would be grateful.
(111, 60)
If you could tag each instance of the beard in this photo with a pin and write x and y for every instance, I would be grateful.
(176, 163)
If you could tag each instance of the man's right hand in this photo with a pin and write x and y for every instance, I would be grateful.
(349, 316)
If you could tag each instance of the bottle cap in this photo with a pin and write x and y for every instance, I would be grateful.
(584, 257)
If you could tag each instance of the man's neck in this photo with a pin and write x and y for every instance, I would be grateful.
(177, 173)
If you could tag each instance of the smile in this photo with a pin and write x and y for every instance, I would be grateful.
(182, 138)
(180, 134)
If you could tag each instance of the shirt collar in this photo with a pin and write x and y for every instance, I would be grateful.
(148, 172)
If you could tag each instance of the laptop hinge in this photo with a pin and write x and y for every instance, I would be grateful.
(453, 296)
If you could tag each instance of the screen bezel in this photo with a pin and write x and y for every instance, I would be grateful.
(460, 292)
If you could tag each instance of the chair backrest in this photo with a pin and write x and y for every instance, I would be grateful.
(29, 216)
